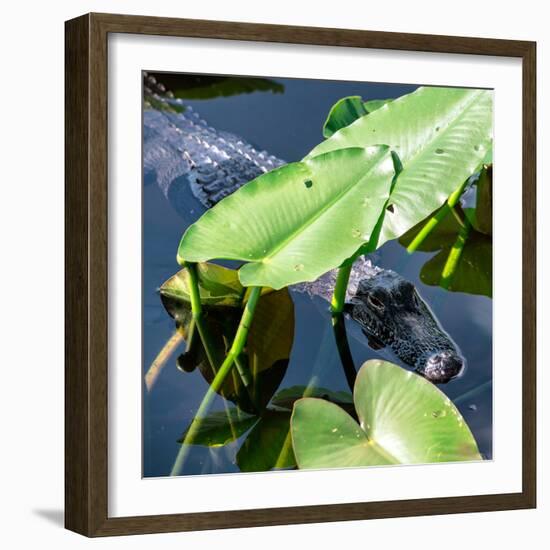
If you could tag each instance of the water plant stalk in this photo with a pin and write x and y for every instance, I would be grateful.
(449, 269)
(339, 294)
(344, 351)
(436, 219)
(287, 448)
(216, 384)
(160, 360)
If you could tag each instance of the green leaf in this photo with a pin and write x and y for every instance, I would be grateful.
(296, 222)
(208, 87)
(484, 202)
(404, 419)
(268, 446)
(375, 104)
(443, 235)
(286, 397)
(474, 271)
(347, 110)
(441, 135)
(215, 430)
(218, 286)
(269, 341)
(343, 113)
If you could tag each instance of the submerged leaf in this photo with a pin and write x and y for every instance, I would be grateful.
(286, 397)
(269, 341)
(268, 445)
(404, 419)
(220, 427)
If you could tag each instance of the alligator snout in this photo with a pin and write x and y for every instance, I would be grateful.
(443, 366)
(393, 314)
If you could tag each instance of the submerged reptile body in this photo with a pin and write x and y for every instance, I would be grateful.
(182, 153)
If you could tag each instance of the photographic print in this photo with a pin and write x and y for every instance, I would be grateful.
(317, 274)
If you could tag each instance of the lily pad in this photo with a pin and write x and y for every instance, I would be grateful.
(404, 419)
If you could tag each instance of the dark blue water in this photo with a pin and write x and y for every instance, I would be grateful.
(288, 125)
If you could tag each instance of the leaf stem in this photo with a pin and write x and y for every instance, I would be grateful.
(160, 360)
(344, 351)
(339, 294)
(455, 253)
(236, 348)
(434, 221)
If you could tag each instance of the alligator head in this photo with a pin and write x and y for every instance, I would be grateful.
(392, 313)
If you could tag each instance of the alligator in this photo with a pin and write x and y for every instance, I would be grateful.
(182, 153)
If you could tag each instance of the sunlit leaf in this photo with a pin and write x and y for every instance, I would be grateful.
(343, 113)
(296, 222)
(347, 110)
(404, 419)
(441, 135)
(375, 104)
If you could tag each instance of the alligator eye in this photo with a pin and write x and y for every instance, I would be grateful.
(374, 302)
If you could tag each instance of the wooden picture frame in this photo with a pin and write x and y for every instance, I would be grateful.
(86, 220)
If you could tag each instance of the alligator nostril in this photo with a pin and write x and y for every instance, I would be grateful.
(443, 366)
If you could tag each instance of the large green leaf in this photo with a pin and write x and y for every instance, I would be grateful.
(404, 419)
(442, 135)
(299, 221)
(270, 337)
